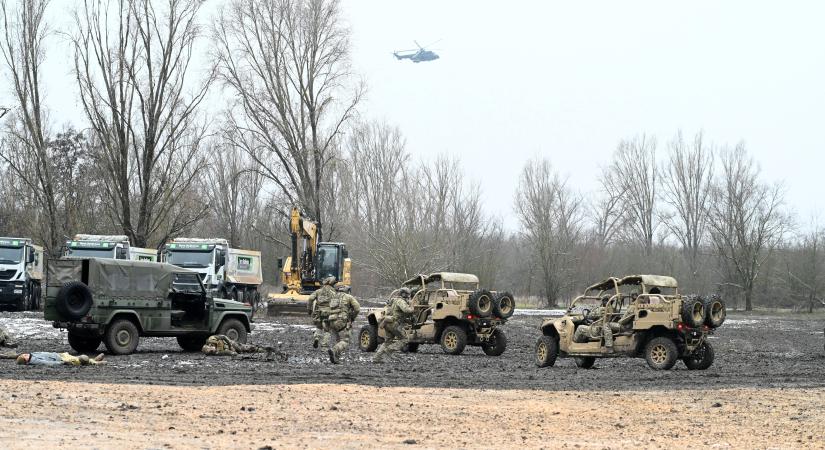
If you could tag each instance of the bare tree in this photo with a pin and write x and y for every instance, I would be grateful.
(687, 181)
(634, 173)
(552, 221)
(27, 154)
(132, 61)
(287, 63)
(803, 263)
(746, 220)
(234, 188)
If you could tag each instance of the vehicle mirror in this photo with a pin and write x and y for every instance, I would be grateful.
(121, 253)
(280, 263)
(30, 256)
(221, 259)
(345, 253)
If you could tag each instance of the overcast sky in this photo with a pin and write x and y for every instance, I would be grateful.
(568, 80)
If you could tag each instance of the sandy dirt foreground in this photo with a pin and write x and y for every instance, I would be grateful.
(46, 414)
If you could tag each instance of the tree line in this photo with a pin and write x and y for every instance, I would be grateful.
(153, 157)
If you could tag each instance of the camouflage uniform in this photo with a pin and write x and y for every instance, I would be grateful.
(598, 328)
(6, 340)
(343, 309)
(396, 312)
(319, 305)
(221, 345)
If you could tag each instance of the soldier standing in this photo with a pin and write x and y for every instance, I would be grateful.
(318, 303)
(343, 309)
(397, 311)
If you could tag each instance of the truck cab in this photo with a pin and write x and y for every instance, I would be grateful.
(228, 272)
(98, 246)
(21, 273)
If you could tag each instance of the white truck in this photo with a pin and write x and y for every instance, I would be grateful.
(230, 272)
(21, 273)
(107, 246)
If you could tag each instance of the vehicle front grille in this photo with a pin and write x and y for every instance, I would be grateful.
(7, 274)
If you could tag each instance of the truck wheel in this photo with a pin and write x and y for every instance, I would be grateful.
(37, 297)
(497, 344)
(453, 340)
(481, 303)
(584, 362)
(73, 300)
(410, 347)
(701, 358)
(191, 343)
(83, 343)
(121, 337)
(233, 329)
(547, 350)
(661, 353)
(368, 338)
(716, 311)
(693, 311)
(504, 306)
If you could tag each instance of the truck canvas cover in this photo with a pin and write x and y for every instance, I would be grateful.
(244, 266)
(116, 278)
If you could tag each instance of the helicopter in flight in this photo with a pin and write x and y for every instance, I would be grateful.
(417, 55)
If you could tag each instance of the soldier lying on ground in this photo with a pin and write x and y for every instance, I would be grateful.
(6, 340)
(58, 359)
(220, 345)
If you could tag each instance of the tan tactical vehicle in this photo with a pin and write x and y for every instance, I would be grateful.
(648, 317)
(450, 310)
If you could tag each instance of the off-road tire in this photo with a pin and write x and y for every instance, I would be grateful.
(83, 343)
(497, 345)
(233, 329)
(121, 337)
(191, 343)
(504, 305)
(715, 311)
(701, 358)
(410, 347)
(453, 340)
(661, 353)
(547, 350)
(481, 303)
(584, 362)
(368, 338)
(693, 311)
(73, 300)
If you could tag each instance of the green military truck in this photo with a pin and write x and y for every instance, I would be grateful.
(118, 301)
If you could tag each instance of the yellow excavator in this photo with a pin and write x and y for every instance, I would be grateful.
(310, 262)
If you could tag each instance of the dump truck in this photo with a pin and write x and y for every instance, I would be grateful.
(309, 262)
(229, 272)
(21, 273)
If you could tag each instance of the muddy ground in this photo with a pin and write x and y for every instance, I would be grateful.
(752, 351)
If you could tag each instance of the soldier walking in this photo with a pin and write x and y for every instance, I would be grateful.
(396, 313)
(343, 309)
(318, 304)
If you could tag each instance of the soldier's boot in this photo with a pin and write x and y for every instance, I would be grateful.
(379, 354)
(333, 357)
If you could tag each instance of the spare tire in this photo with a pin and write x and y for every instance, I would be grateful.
(715, 311)
(504, 305)
(693, 311)
(481, 303)
(73, 300)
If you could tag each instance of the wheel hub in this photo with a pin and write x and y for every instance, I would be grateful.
(658, 354)
(450, 340)
(232, 334)
(123, 337)
(541, 352)
(365, 339)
